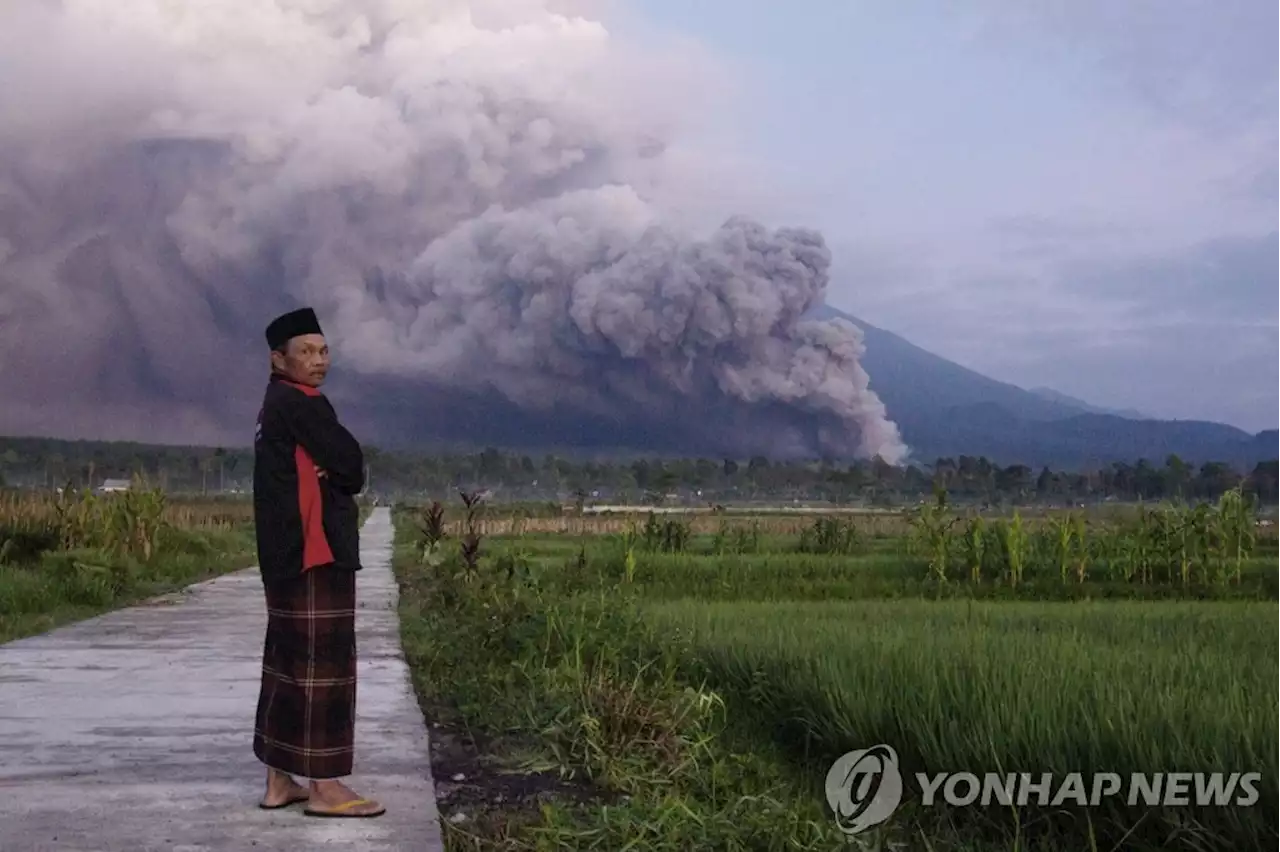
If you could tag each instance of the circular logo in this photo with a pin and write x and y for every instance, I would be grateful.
(864, 788)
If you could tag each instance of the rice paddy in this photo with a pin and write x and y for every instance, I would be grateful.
(1139, 641)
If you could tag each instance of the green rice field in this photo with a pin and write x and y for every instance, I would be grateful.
(1068, 648)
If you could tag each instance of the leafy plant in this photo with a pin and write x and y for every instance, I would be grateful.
(469, 546)
(431, 533)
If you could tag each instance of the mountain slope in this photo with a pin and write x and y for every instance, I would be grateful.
(914, 382)
(944, 409)
(1057, 396)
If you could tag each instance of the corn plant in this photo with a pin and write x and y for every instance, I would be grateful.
(830, 535)
(628, 566)
(1187, 547)
(1236, 520)
(136, 520)
(1207, 535)
(1139, 546)
(1082, 549)
(720, 541)
(1064, 529)
(975, 546)
(629, 541)
(1164, 541)
(1015, 548)
(932, 525)
(748, 538)
(667, 536)
(729, 538)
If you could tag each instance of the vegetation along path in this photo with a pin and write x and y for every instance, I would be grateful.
(132, 731)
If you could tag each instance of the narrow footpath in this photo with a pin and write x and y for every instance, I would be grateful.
(132, 732)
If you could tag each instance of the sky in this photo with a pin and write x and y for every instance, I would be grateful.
(1076, 194)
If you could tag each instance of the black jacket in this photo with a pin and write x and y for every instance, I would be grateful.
(303, 520)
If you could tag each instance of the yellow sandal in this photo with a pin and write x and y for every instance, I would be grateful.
(343, 810)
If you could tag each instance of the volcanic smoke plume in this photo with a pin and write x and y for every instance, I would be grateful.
(490, 205)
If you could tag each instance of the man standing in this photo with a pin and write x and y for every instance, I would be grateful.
(307, 470)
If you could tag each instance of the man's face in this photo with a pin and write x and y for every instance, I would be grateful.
(305, 360)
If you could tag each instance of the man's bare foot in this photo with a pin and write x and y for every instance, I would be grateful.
(282, 790)
(333, 798)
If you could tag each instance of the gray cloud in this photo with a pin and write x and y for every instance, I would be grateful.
(1257, 183)
(1232, 278)
(1177, 56)
(486, 201)
(1199, 71)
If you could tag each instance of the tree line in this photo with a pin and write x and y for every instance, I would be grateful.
(41, 462)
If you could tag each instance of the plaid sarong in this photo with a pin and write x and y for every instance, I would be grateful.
(306, 709)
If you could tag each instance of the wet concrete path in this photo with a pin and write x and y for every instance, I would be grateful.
(132, 732)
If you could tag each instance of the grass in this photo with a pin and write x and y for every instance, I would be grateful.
(67, 558)
(564, 701)
(68, 586)
(44, 585)
(1004, 687)
(659, 686)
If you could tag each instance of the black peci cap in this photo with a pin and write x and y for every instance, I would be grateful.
(293, 324)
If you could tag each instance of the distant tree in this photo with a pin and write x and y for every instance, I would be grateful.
(220, 455)
(1177, 476)
(1045, 482)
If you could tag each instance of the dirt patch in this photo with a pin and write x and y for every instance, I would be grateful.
(477, 781)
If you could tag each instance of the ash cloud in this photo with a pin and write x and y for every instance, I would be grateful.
(488, 204)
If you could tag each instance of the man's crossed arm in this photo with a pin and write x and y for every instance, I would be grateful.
(335, 451)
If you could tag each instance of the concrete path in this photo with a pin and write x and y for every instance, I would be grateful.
(132, 732)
